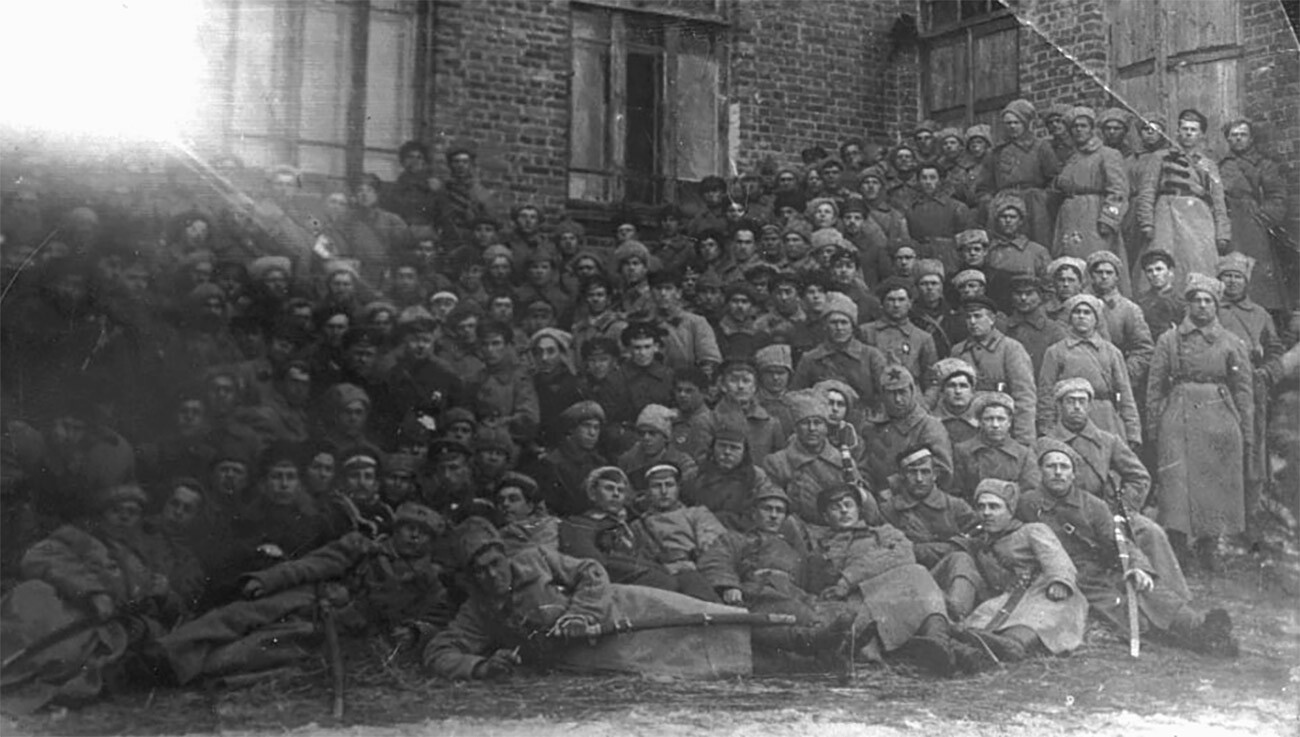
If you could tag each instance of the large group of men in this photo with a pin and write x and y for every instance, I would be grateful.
(940, 401)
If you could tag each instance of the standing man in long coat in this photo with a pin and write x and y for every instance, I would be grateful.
(1095, 187)
(1024, 165)
(1256, 196)
(1201, 406)
(1181, 208)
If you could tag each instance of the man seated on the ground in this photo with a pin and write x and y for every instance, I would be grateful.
(389, 586)
(675, 534)
(763, 566)
(1086, 529)
(1026, 587)
(928, 515)
(900, 606)
(604, 533)
(103, 569)
(810, 463)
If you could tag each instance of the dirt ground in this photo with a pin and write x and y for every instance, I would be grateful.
(1096, 690)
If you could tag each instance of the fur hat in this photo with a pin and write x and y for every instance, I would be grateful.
(839, 302)
(262, 266)
(1104, 257)
(808, 403)
(411, 513)
(928, 267)
(658, 418)
(984, 400)
(1066, 387)
(1236, 261)
(969, 275)
(1008, 491)
(975, 235)
(1098, 307)
(947, 368)
(774, 356)
(1202, 283)
(1078, 264)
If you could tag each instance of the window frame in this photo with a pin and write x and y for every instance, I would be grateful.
(968, 31)
(666, 186)
(284, 137)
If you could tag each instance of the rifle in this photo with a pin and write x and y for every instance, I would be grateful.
(699, 619)
(849, 470)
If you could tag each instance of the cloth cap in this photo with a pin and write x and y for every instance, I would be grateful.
(1107, 257)
(1045, 445)
(974, 235)
(1057, 110)
(1083, 298)
(1023, 282)
(1078, 264)
(774, 356)
(853, 204)
(1007, 491)
(771, 491)
(896, 376)
(237, 449)
(579, 412)
(371, 309)
(120, 494)
(1081, 111)
(1157, 254)
(1238, 262)
(928, 267)
(913, 456)
(415, 319)
(459, 414)
(979, 131)
(660, 467)
(401, 463)
(495, 438)
(806, 403)
(979, 302)
(825, 386)
(491, 253)
(732, 432)
(984, 400)
(341, 395)
(445, 295)
(411, 513)
(658, 418)
(873, 172)
(1004, 200)
(1113, 113)
(444, 449)
(1074, 385)
(947, 368)
(839, 302)
(1202, 283)
(360, 456)
(262, 266)
(969, 275)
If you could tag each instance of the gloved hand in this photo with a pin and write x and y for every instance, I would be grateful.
(1141, 580)
(733, 597)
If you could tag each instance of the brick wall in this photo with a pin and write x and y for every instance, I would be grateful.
(1270, 86)
(817, 73)
(500, 84)
(801, 73)
(1063, 51)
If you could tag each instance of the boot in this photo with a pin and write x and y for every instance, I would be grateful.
(1004, 649)
(1214, 635)
(1207, 554)
(933, 653)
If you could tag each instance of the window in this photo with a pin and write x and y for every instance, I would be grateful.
(970, 61)
(1167, 56)
(644, 106)
(327, 86)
